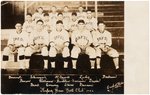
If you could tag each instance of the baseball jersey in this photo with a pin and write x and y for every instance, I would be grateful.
(102, 38)
(39, 37)
(59, 38)
(91, 23)
(47, 25)
(81, 15)
(37, 16)
(73, 24)
(53, 19)
(18, 39)
(81, 38)
(28, 27)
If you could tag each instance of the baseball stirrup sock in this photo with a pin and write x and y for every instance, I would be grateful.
(5, 58)
(21, 57)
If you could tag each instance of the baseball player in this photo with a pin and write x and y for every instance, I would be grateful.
(53, 17)
(38, 43)
(82, 39)
(66, 21)
(102, 42)
(38, 15)
(59, 42)
(73, 22)
(81, 14)
(47, 23)
(66, 18)
(91, 21)
(28, 25)
(16, 45)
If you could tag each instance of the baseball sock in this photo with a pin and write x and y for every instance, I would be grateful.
(116, 62)
(53, 64)
(45, 64)
(65, 64)
(98, 63)
(92, 64)
(74, 62)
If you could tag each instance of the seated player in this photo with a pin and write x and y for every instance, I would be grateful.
(91, 21)
(82, 39)
(38, 43)
(59, 42)
(38, 15)
(102, 42)
(16, 45)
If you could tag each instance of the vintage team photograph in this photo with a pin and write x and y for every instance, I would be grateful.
(62, 47)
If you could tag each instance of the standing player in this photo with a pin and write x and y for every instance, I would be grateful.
(73, 22)
(16, 45)
(82, 39)
(28, 25)
(47, 23)
(59, 42)
(66, 18)
(38, 43)
(53, 17)
(102, 42)
(38, 15)
(81, 14)
(91, 22)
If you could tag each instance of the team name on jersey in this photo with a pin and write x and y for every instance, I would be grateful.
(18, 39)
(38, 37)
(59, 37)
(81, 37)
(101, 38)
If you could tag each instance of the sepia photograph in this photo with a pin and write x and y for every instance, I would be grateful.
(62, 47)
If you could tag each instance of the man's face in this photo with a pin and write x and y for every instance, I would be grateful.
(60, 17)
(53, 9)
(28, 18)
(81, 25)
(18, 27)
(40, 10)
(80, 9)
(46, 18)
(74, 17)
(89, 14)
(101, 27)
(66, 9)
(59, 26)
(39, 25)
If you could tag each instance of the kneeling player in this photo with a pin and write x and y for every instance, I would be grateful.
(16, 45)
(59, 42)
(102, 42)
(82, 39)
(38, 43)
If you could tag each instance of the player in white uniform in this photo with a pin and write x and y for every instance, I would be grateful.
(81, 14)
(66, 18)
(38, 15)
(38, 43)
(73, 22)
(102, 42)
(53, 17)
(16, 45)
(28, 25)
(59, 42)
(82, 39)
(66, 22)
(91, 21)
(47, 23)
